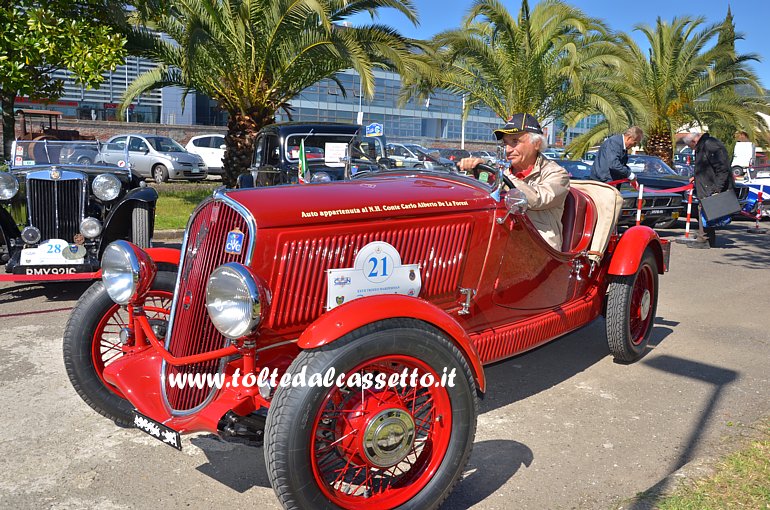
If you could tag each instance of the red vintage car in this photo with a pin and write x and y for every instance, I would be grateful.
(289, 299)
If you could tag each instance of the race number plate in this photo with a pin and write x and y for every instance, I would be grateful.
(157, 430)
(51, 253)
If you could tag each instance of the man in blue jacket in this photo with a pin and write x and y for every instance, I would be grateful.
(611, 160)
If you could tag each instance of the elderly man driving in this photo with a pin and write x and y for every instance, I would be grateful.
(543, 182)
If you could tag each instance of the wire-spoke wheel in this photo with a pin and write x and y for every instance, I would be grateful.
(631, 305)
(401, 442)
(92, 341)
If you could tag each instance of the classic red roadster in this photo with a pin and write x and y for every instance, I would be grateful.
(414, 279)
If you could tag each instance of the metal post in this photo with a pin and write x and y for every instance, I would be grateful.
(462, 124)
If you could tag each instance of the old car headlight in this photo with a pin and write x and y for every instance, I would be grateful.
(629, 202)
(90, 227)
(9, 186)
(106, 187)
(235, 300)
(320, 177)
(127, 272)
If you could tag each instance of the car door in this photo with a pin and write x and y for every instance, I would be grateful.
(114, 151)
(139, 156)
(215, 153)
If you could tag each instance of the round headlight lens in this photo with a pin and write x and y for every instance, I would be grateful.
(106, 187)
(90, 228)
(9, 186)
(120, 271)
(320, 177)
(233, 300)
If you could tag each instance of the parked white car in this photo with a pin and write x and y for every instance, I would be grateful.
(211, 148)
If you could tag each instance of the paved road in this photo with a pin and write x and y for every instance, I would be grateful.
(561, 427)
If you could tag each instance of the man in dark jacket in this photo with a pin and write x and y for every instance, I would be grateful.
(611, 160)
(712, 174)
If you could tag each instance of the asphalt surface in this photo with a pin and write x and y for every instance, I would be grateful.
(561, 427)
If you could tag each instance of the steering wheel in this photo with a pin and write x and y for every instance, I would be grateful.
(493, 172)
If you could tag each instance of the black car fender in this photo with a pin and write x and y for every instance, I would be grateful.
(8, 228)
(117, 225)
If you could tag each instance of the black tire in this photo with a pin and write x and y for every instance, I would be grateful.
(79, 338)
(160, 173)
(292, 424)
(738, 172)
(628, 329)
(140, 225)
(84, 160)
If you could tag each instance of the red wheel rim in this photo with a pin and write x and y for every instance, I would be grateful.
(361, 453)
(641, 305)
(106, 346)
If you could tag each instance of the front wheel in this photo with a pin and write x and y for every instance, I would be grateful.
(92, 341)
(160, 173)
(140, 225)
(631, 305)
(392, 445)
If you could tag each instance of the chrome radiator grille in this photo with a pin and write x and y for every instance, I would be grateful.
(56, 207)
(190, 330)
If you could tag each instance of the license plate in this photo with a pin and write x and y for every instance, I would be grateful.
(157, 430)
(656, 211)
(196, 170)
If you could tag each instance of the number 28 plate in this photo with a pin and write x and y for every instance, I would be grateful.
(157, 430)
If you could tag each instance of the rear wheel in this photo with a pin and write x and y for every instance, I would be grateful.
(738, 172)
(83, 160)
(140, 225)
(92, 342)
(631, 305)
(160, 173)
(396, 446)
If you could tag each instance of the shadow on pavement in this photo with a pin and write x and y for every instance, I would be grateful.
(235, 465)
(53, 292)
(716, 376)
(480, 481)
(530, 373)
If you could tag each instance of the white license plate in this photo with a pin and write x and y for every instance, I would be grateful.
(196, 170)
(48, 253)
(656, 211)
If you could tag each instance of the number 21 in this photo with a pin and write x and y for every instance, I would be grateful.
(374, 273)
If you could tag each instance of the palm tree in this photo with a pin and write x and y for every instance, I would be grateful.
(553, 61)
(680, 81)
(254, 56)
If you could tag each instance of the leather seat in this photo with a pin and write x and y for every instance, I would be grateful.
(578, 221)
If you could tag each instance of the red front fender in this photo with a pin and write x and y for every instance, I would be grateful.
(164, 255)
(360, 312)
(628, 254)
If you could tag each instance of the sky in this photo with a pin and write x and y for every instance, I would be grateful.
(751, 17)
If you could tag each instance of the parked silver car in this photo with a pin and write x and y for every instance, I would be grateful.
(154, 156)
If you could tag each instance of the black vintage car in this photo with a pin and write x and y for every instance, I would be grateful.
(333, 151)
(56, 219)
(659, 210)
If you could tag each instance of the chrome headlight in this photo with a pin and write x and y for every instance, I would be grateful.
(9, 186)
(90, 228)
(320, 177)
(106, 187)
(235, 300)
(629, 203)
(127, 272)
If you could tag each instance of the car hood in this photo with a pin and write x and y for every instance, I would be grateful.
(371, 198)
(183, 157)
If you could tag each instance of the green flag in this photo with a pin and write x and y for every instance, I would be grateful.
(304, 174)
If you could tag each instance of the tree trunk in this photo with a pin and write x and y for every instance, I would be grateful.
(241, 133)
(659, 144)
(7, 101)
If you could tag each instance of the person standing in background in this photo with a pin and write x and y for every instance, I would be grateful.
(611, 163)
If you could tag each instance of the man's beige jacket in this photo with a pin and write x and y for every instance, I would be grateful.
(546, 188)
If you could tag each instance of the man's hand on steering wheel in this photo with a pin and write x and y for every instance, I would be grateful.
(477, 166)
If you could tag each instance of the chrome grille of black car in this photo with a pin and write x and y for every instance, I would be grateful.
(56, 207)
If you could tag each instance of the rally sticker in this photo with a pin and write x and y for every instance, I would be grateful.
(377, 269)
(234, 244)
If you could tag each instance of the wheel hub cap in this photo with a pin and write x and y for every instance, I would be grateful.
(388, 437)
(644, 309)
